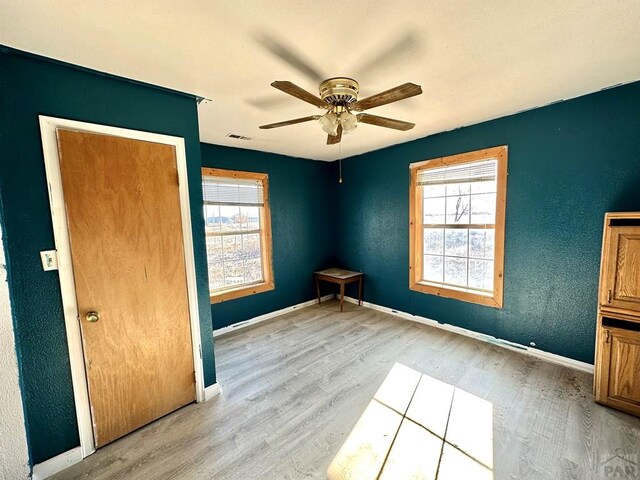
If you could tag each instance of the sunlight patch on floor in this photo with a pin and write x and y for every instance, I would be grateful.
(418, 427)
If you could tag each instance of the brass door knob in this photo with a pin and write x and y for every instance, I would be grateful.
(92, 317)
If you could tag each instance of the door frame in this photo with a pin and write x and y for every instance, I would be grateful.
(48, 126)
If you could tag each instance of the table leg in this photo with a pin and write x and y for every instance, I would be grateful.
(318, 289)
(341, 295)
(360, 292)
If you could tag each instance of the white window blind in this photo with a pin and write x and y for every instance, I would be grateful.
(482, 171)
(229, 191)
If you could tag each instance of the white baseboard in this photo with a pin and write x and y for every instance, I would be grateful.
(252, 321)
(56, 464)
(212, 391)
(560, 360)
(534, 352)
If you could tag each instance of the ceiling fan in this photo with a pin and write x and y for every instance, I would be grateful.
(339, 95)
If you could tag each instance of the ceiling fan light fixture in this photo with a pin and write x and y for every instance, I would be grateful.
(349, 121)
(329, 123)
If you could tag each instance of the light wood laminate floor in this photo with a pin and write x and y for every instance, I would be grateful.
(294, 388)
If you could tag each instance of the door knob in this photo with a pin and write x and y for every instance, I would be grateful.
(92, 317)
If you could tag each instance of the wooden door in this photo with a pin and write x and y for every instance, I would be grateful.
(620, 288)
(618, 368)
(124, 221)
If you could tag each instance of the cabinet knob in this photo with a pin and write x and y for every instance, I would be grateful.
(92, 317)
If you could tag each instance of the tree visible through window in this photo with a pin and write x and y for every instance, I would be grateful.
(238, 233)
(457, 227)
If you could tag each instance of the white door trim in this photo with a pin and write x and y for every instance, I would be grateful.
(48, 126)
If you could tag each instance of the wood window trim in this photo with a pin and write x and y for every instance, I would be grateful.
(495, 299)
(265, 238)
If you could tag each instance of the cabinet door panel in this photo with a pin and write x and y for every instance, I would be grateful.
(621, 288)
(617, 369)
(624, 378)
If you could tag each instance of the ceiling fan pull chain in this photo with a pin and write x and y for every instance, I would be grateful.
(340, 161)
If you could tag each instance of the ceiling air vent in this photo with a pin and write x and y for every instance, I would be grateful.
(237, 136)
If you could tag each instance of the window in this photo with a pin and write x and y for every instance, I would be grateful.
(457, 211)
(238, 230)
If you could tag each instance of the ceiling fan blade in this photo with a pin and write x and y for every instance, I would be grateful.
(301, 93)
(404, 48)
(334, 139)
(268, 102)
(289, 56)
(388, 96)
(384, 122)
(290, 122)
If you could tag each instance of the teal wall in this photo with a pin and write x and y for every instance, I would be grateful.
(302, 197)
(31, 86)
(569, 163)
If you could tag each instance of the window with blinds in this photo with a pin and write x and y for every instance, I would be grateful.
(238, 233)
(458, 227)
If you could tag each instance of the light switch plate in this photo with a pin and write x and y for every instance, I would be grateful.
(49, 260)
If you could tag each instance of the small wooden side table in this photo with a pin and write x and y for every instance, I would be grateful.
(341, 277)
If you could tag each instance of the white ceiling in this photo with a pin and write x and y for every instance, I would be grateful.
(475, 59)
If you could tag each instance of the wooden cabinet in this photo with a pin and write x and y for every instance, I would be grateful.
(617, 362)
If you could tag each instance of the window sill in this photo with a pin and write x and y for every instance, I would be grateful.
(242, 291)
(489, 299)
